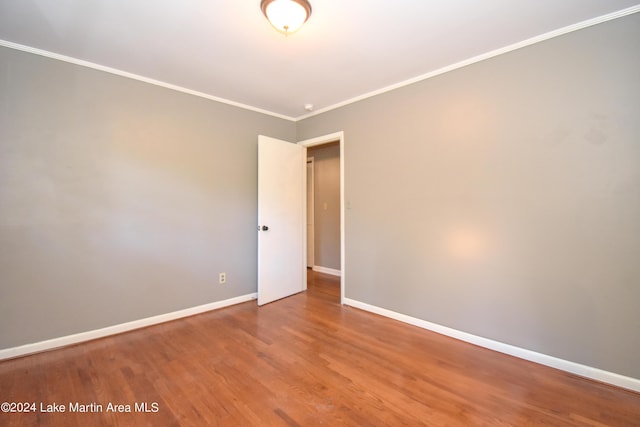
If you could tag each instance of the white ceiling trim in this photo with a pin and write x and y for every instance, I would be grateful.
(133, 76)
(478, 58)
(464, 63)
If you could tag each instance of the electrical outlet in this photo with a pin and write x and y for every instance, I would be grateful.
(223, 278)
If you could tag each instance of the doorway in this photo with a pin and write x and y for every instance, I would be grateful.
(337, 139)
(323, 211)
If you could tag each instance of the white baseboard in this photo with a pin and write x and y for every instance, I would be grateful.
(543, 359)
(327, 270)
(23, 350)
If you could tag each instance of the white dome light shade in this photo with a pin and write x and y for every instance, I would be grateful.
(286, 16)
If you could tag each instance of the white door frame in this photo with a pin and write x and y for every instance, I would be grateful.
(336, 136)
(311, 212)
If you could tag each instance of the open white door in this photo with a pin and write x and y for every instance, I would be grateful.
(281, 219)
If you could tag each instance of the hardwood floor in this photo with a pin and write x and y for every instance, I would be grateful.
(301, 361)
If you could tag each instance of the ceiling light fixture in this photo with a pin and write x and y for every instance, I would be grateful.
(287, 16)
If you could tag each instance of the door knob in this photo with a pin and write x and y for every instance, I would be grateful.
(265, 228)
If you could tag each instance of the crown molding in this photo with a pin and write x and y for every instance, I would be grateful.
(138, 77)
(528, 42)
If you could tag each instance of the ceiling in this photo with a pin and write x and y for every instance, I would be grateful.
(226, 48)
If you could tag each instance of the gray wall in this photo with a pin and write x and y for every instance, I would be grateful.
(503, 199)
(119, 200)
(327, 204)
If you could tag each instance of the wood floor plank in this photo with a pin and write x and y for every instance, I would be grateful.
(302, 361)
